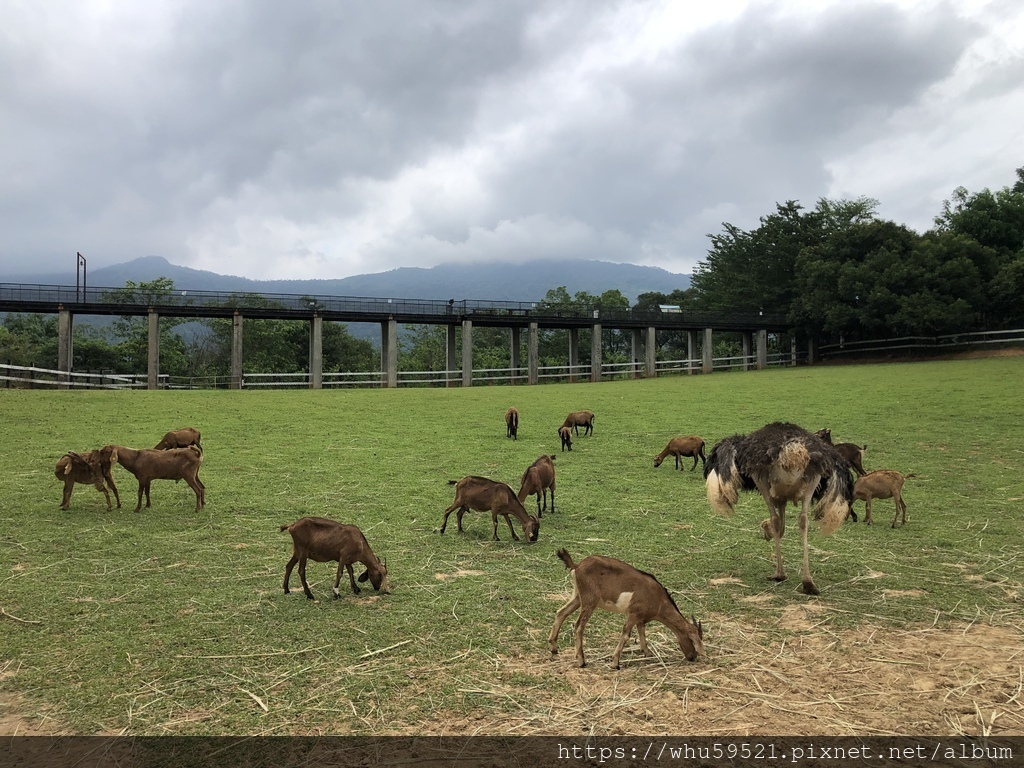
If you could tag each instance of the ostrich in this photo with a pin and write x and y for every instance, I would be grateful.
(783, 463)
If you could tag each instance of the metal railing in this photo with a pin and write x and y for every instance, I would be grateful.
(18, 297)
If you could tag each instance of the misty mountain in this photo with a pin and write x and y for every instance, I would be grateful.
(529, 281)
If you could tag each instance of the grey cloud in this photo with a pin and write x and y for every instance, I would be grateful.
(358, 137)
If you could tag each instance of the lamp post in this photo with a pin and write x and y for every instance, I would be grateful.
(80, 272)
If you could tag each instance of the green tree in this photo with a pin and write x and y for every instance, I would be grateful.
(132, 331)
(30, 339)
(754, 271)
(994, 221)
(281, 346)
(671, 345)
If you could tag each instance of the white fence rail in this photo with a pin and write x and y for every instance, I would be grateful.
(908, 345)
(17, 376)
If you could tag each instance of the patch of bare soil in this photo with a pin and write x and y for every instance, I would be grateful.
(796, 675)
(15, 719)
(808, 679)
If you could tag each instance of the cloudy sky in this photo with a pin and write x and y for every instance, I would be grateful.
(325, 139)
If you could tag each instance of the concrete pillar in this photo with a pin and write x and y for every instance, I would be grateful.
(467, 353)
(762, 350)
(635, 347)
(389, 353)
(65, 347)
(691, 352)
(515, 361)
(595, 353)
(236, 352)
(153, 356)
(748, 344)
(574, 352)
(316, 352)
(532, 354)
(651, 352)
(707, 363)
(450, 363)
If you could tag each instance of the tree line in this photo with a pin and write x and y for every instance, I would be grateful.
(837, 271)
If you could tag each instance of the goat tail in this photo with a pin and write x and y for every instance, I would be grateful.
(566, 558)
(286, 527)
(453, 482)
(907, 477)
(835, 504)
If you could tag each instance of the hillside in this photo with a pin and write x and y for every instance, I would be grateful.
(498, 282)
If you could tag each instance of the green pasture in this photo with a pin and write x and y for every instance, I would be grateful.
(168, 621)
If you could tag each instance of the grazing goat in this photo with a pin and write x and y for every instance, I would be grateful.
(322, 541)
(512, 423)
(537, 478)
(485, 495)
(565, 435)
(882, 484)
(150, 464)
(92, 467)
(604, 582)
(784, 463)
(579, 419)
(179, 438)
(852, 452)
(683, 446)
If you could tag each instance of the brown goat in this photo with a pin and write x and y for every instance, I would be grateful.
(485, 495)
(604, 582)
(683, 446)
(565, 435)
(512, 423)
(150, 464)
(882, 484)
(322, 541)
(179, 438)
(93, 468)
(853, 453)
(578, 419)
(537, 478)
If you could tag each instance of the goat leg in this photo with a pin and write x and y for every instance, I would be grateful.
(351, 578)
(288, 573)
(563, 613)
(510, 528)
(302, 578)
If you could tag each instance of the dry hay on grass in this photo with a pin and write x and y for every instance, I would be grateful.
(807, 679)
(795, 676)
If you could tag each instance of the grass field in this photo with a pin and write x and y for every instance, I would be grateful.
(168, 621)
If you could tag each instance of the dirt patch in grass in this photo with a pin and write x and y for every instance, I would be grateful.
(797, 676)
(806, 680)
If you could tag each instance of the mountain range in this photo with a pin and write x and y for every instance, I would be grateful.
(529, 281)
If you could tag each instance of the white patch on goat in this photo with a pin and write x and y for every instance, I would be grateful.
(337, 593)
(621, 604)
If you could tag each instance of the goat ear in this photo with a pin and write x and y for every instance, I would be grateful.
(365, 576)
